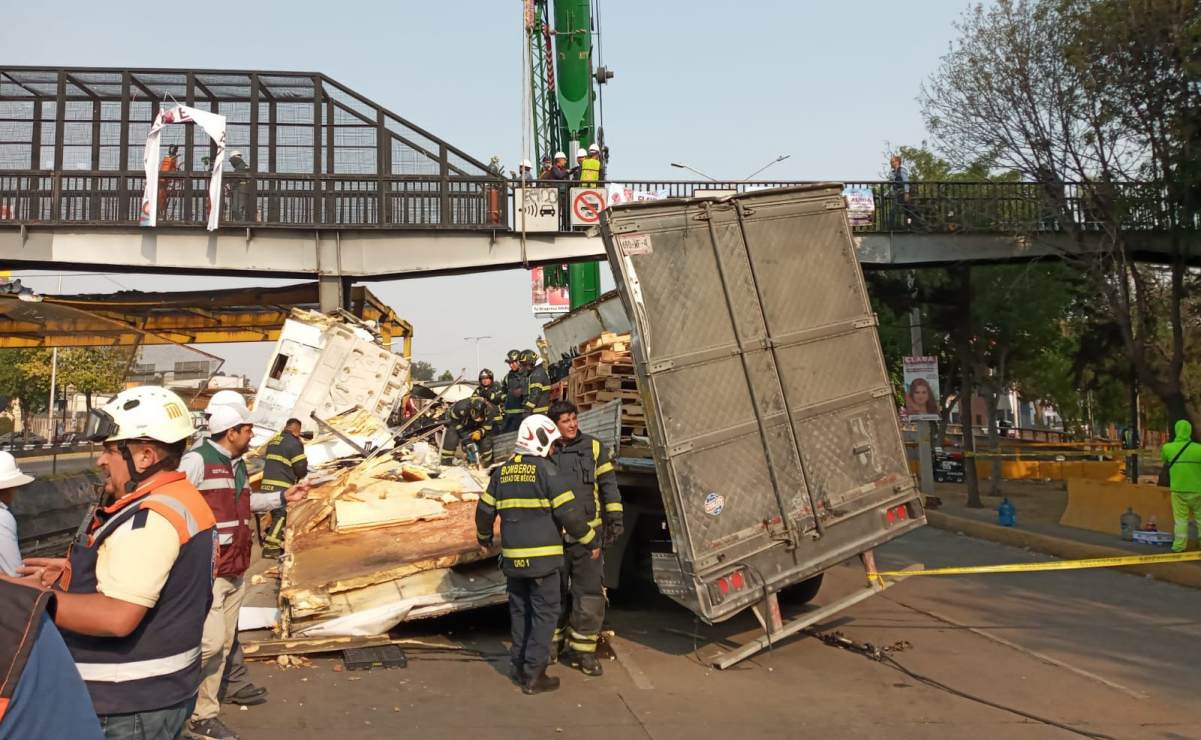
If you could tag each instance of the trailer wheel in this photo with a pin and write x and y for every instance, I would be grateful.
(803, 592)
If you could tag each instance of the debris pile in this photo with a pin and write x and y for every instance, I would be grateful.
(383, 537)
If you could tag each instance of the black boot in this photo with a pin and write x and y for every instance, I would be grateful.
(517, 674)
(539, 682)
(585, 663)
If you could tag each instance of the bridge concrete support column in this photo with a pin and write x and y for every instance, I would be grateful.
(332, 288)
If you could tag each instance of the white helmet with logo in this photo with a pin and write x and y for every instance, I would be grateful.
(593, 148)
(536, 435)
(145, 412)
(560, 155)
(581, 153)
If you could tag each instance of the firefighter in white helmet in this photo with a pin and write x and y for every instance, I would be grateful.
(135, 592)
(535, 505)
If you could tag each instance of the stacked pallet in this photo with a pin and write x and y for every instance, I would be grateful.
(603, 372)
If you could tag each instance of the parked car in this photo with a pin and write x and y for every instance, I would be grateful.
(20, 439)
(69, 439)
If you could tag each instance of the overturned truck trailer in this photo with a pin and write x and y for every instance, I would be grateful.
(773, 429)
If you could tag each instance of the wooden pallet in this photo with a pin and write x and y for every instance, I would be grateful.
(608, 383)
(602, 357)
(608, 340)
(599, 397)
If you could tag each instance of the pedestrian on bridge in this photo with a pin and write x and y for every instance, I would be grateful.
(1183, 458)
(11, 478)
(900, 216)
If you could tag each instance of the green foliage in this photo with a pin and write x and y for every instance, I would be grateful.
(21, 379)
(446, 376)
(422, 370)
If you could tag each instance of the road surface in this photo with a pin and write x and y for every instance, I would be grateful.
(1104, 653)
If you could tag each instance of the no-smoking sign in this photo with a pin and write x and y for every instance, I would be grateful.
(586, 206)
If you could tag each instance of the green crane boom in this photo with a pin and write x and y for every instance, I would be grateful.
(564, 100)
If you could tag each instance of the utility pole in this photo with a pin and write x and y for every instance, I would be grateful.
(477, 341)
(1135, 437)
(967, 390)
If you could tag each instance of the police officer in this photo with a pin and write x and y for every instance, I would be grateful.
(489, 390)
(587, 464)
(515, 391)
(284, 466)
(469, 421)
(138, 586)
(534, 503)
(537, 397)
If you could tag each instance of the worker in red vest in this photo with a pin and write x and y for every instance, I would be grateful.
(215, 468)
(137, 588)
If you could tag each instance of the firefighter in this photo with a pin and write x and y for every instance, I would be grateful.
(285, 465)
(534, 504)
(515, 389)
(586, 462)
(215, 468)
(137, 588)
(489, 390)
(469, 421)
(537, 397)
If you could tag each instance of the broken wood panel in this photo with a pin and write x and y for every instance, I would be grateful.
(340, 561)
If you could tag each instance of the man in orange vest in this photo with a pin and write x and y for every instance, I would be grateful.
(136, 589)
(215, 468)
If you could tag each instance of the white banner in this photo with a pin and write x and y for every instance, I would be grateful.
(213, 125)
(619, 194)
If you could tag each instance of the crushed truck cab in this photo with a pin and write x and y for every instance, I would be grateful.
(771, 417)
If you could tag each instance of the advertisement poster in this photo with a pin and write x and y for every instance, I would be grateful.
(861, 205)
(549, 301)
(922, 399)
(214, 126)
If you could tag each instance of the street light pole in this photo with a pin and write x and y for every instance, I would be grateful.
(777, 160)
(477, 341)
(682, 166)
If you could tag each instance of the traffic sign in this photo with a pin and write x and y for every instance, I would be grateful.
(539, 209)
(586, 206)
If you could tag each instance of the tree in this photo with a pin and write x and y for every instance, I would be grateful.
(1085, 97)
(446, 376)
(21, 380)
(421, 370)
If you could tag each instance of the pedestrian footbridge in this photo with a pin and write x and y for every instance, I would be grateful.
(329, 184)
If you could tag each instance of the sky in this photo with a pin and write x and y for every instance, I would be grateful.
(721, 86)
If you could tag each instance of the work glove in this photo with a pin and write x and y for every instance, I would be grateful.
(476, 436)
(614, 527)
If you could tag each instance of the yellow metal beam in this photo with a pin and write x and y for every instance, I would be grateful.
(239, 315)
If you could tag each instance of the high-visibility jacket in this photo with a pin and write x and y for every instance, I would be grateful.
(158, 664)
(516, 387)
(225, 487)
(537, 397)
(285, 463)
(590, 169)
(534, 504)
(460, 419)
(587, 464)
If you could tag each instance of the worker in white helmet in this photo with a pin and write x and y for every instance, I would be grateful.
(560, 173)
(131, 603)
(578, 170)
(525, 172)
(11, 478)
(590, 167)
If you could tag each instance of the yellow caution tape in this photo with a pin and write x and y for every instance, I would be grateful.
(1171, 557)
(1053, 453)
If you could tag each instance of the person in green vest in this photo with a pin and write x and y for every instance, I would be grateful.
(1184, 457)
(590, 167)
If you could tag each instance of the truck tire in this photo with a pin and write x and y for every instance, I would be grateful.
(803, 592)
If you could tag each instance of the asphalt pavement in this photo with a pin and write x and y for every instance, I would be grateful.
(1041, 655)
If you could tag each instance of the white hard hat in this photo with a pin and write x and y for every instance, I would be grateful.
(536, 435)
(526, 164)
(593, 148)
(225, 398)
(224, 418)
(560, 155)
(235, 153)
(145, 412)
(581, 153)
(11, 475)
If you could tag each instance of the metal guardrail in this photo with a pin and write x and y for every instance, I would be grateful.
(96, 198)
